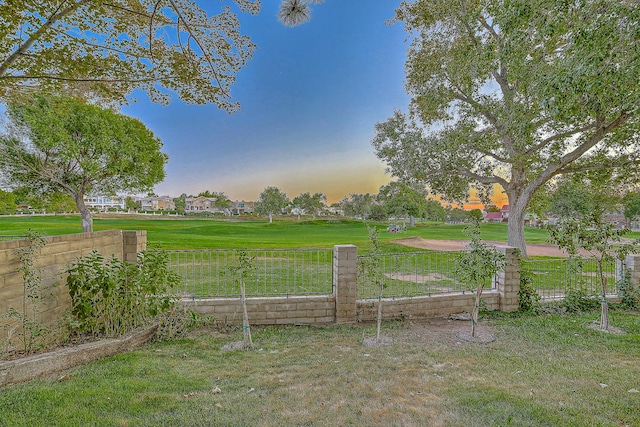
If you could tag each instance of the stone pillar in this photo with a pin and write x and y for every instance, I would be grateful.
(345, 286)
(632, 263)
(133, 241)
(509, 280)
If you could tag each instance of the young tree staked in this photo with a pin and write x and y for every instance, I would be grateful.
(62, 144)
(515, 93)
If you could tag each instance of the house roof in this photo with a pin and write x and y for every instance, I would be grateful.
(493, 215)
(505, 208)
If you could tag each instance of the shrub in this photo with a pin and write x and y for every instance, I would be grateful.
(111, 297)
(578, 300)
(629, 294)
(528, 298)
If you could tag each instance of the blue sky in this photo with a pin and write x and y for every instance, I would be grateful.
(309, 98)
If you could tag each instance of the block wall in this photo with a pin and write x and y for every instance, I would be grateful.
(310, 310)
(52, 260)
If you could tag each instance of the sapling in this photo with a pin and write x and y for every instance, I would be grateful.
(242, 271)
(590, 234)
(370, 270)
(477, 264)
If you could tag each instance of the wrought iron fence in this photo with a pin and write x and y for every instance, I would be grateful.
(409, 274)
(554, 278)
(272, 272)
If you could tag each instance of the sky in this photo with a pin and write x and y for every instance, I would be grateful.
(310, 98)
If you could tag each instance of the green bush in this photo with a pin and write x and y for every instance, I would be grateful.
(111, 297)
(629, 294)
(578, 300)
(528, 298)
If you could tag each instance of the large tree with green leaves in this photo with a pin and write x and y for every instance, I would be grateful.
(109, 49)
(310, 203)
(62, 144)
(400, 200)
(515, 93)
(271, 201)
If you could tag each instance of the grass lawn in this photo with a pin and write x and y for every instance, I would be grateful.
(255, 234)
(540, 371)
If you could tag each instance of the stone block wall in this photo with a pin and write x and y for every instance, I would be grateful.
(305, 310)
(57, 254)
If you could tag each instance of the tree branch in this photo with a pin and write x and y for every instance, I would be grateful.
(57, 15)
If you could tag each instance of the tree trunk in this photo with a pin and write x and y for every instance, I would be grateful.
(604, 314)
(515, 225)
(270, 217)
(476, 309)
(85, 213)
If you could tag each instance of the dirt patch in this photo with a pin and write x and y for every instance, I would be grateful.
(442, 331)
(457, 245)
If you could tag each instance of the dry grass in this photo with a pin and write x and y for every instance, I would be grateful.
(539, 371)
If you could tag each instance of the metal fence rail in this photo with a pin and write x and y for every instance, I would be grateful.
(273, 272)
(409, 274)
(554, 278)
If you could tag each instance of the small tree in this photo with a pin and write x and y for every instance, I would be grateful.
(601, 240)
(370, 269)
(476, 265)
(242, 271)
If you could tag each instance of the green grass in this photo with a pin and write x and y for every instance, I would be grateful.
(254, 234)
(540, 371)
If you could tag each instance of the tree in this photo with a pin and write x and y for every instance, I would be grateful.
(310, 203)
(357, 205)
(434, 211)
(180, 202)
(402, 199)
(515, 94)
(59, 201)
(130, 204)
(631, 203)
(271, 201)
(79, 149)
(7, 202)
(582, 203)
(107, 50)
(475, 215)
(601, 240)
(476, 265)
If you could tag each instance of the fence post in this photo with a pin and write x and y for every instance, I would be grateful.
(345, 287)
(509, 280)
(632, 263)
(133, 241)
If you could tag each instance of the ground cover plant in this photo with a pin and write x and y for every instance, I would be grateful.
(540, 371)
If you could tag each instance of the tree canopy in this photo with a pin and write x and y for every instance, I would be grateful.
(62, 144)
(109, 49)
(271, 201)
(515, 93)
(310, 203)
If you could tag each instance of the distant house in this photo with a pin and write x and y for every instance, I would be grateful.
(201, 204)
(242, 207)
(162, 203)
(104, 202)
(493, 217)
(505, 211)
